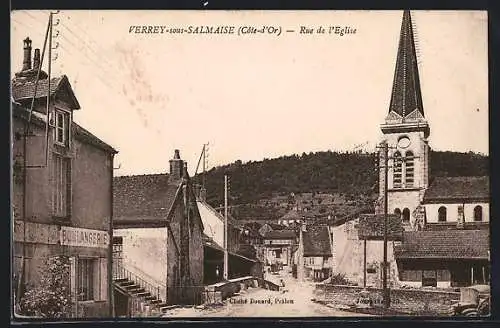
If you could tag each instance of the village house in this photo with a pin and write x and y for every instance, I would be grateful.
(158, 239)
(278, 247)
(443, 238)
(61, 191)
(242, 255)
(316, 252)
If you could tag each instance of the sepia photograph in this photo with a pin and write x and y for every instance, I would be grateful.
(170, 164)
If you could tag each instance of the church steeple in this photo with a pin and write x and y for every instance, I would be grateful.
(406, 97)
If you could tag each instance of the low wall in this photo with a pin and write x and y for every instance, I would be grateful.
(408, 301)
(220, 291)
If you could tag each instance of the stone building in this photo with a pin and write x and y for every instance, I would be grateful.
(423, 254)
(61, 190)
(158, 238)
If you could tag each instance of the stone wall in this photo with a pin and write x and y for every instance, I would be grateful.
(409, 301)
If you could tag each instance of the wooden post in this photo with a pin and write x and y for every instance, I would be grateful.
(364, 264)
(472, 275)
(484, 275)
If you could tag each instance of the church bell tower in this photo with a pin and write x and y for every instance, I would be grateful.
(406, 131)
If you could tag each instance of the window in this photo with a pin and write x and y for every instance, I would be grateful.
(410, 169)
(277, 254)
(117, 249)
(61, 181)
(478, 213)
(442, 214)
(397, 211)
(85, 278)
(62, 125)
(398, 167)
(406, 215)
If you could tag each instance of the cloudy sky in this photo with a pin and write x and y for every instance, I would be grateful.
(259, 96)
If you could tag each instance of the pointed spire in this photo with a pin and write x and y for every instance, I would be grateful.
(406, 95)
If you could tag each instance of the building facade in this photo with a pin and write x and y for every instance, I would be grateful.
(158, 237)
(61, 192)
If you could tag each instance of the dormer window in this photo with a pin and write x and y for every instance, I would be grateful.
(62, 125)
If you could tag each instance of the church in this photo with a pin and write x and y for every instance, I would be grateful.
(444, 221)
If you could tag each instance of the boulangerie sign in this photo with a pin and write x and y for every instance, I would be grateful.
(84, 237)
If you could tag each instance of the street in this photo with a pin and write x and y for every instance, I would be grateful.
(256, 302)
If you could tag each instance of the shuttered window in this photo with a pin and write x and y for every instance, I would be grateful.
(410, 169)
(61, 182)
(398, 169)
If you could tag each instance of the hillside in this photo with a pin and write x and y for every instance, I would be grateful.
(264, 188)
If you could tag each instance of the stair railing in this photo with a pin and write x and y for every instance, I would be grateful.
(120, 272)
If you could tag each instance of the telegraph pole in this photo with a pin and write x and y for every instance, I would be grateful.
(226, 255)
(387, 299)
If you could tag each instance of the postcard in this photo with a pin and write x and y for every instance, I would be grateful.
(179, 164)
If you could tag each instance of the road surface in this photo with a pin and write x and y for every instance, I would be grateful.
(256, 302)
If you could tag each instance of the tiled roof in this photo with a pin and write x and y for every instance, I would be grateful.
(143, 197)
(79, 132)
(280, 234)
(458, 189)
(89, 138)
(371, 227)
(316, 241)
(292, 215)
(449, 244)
(26, 90)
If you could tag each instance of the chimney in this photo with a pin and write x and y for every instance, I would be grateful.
(176, 167)
(36, 59)
(27, 54)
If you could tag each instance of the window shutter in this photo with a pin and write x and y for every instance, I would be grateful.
(96, 281)
(104, 278)
(72, 275)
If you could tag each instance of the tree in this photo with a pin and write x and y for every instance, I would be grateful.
(51, 298)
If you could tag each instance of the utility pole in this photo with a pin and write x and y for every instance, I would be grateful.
(226, 255)
(386, 295)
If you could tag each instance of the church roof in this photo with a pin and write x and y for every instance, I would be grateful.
(406, 97)
(453, 189)
(449, 244)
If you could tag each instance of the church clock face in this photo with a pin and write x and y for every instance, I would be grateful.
(404, 142)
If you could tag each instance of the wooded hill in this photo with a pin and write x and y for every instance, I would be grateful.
(354, 176)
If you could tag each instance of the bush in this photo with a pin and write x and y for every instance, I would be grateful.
(339, 279)
(52, 297)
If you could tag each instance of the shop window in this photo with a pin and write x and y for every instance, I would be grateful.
(442, 214)
(90, 276)
(478, 213)
(86, 278)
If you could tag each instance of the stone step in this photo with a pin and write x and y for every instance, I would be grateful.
(121, 280)
(142, 294)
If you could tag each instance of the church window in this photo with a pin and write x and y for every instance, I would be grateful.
(397, 211)
(478, 213)
(442, 214)
(398, 169)
(410, 169)
(406, 215)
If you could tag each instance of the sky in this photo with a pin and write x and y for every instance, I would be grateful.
(259, 96)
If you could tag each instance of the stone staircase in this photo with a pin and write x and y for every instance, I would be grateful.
(144, 292)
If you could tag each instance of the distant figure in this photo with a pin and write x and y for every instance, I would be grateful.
(282, 286)
(217, 274)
